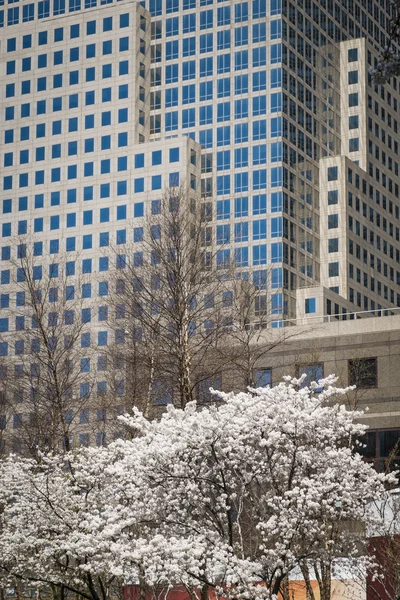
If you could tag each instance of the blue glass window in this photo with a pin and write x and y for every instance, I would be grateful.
(27, 41)
(241, 232)
(241, 207)
(123, 44)
(73, 101)
(260, 179)
(206, 90)
(70, 244)
(23, 203)
(259, 204)
(189, 23)
(10, 90)
(206, 19)
(74, 31)
(59, 34)
(189, 46)
(260, 9)
(90, 27)
(54, 246)
(6, 253)
(26, 87)
(121, 212)
(87, 217)
(259, 81)
(172, 50)
(189, 70)
(103, 288)
(138, 210)
(223, 209)
(138, 234)
(260, 255)
(188, 117)
(86, 290)
(105, 190)
(259, 56)
(223, 135)
(206, 138)
(73, 124)
(259, 229)
(73, 77)
(103, 263)
(171, 121)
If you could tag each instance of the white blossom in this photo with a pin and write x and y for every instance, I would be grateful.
(228, 496)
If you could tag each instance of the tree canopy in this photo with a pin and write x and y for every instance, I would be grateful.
(226, 497)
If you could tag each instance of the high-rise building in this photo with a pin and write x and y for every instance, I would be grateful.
(299, 153)
(104, 104)
(299, 149)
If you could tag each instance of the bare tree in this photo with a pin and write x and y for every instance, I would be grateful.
(168, 301)
(383, 582)
(186, 311)
(48, 377)
(250, 336)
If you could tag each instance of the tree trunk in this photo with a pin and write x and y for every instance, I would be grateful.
(185, 387)
(148, 401)
(205, 592)
(326, 582)
(323, 576)
(285, 589)
(306, 575)
(142, 586)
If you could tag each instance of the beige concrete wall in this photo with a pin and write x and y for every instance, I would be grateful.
(334, 344)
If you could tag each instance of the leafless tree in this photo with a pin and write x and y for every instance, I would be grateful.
(251, 334)
(169, 302)
(187, 314)
(48, 373)
(383, 583)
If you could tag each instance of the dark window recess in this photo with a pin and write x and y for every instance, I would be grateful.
(363, 372)
(313, 372)
(262, 377)
(203, 388)
(382, 447)
(162, 392)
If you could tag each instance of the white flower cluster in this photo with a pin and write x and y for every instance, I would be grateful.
(229, 498)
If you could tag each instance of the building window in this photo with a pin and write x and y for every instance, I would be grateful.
(162, 392)
(333, 196)
(353, 122)
(363, 372)
(352, 77)
(262, 377)
(313, 372)
(354, 144)
(333, 245)
(333, 221)
(353, 99)
(381, 447)
(333, 269)
(332, 173)
(352, 55)
(310, 305)
(203, 388)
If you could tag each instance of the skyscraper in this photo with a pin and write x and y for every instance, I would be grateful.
(271, 93)
(299, 149)
(264, 107)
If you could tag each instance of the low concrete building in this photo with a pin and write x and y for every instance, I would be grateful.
(364, 352)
